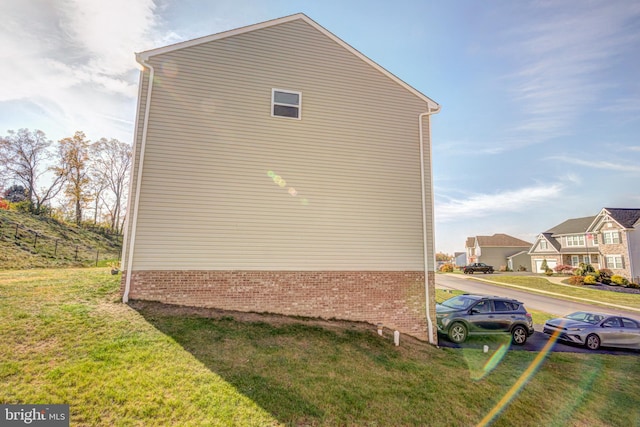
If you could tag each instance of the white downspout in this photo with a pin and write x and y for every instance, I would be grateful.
(134, 216)
(424, 218)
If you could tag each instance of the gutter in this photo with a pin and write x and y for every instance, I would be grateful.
(424, 217)
(134, 216)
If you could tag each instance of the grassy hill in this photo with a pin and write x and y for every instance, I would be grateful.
(30, 241)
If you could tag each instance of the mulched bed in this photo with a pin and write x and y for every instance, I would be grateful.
(620, 289)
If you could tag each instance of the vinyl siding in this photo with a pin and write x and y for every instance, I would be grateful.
(207, 200)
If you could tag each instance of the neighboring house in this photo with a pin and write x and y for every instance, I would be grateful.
(277, 169)
(610, 239)
(565, 244)
(617, 233)
(494, 250)
(460, 259)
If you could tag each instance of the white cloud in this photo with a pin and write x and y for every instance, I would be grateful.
(108, 32)
(560, 56)
(599, 164)
(74, 61)
(483, 205)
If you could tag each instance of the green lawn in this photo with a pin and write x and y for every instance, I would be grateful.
(544, 285)
(66, 338)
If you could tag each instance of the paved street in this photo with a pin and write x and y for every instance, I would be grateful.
(533, 301)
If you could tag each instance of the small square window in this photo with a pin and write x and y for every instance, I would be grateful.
(286, 103)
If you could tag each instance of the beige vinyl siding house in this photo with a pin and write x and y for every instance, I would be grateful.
(495, 250)
(327, 213)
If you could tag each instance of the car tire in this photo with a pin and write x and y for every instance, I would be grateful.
(519, 335)
(457, 333)
(592, 342)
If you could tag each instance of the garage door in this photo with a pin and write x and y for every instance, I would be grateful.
(551, 263)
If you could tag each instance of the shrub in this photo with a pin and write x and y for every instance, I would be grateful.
(605, 275)
(24, 206)
(576, 280)
(548, 272)
(633, 285)
(4, 204)
(587, 268)
(606, 272)
(563, 268)
(590, 280)
(446, 268)
(616, 279)
(522, 268)
(544, 266)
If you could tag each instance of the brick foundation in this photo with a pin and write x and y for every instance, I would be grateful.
(395, 299)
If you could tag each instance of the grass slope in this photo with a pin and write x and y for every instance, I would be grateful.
(66, 338)
(56, 245)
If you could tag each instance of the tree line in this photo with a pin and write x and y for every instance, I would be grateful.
(80, 175)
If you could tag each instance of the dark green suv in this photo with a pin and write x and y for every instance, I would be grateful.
(469, 314)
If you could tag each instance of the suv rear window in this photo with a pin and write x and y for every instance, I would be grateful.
(505, 305)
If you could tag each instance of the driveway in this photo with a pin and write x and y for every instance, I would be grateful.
(545, 303)
(535, 342)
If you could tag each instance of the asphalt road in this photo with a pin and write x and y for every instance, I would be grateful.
(552, 305)
(533, 301)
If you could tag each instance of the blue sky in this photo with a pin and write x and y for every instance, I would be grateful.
(540, 100)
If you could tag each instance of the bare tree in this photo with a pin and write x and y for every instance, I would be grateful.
(25, 154)
(111, 164)
(96, 190)
(74, 156)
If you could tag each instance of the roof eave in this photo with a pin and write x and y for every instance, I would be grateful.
(143, 57)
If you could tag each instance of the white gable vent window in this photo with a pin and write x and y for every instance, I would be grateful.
(286, 103)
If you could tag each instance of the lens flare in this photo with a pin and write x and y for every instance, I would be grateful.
(522, 380)
(282, 183)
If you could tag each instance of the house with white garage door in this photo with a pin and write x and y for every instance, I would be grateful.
(567, 243)
(610, 239)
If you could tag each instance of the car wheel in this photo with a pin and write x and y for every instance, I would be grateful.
(458, 333)
(592, 342)
(519, 335)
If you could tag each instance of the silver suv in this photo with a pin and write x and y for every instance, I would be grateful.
(468, 314)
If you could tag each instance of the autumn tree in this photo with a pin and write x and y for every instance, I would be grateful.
(24, 156)
(111, 160)
(440, 256)
(74, 159)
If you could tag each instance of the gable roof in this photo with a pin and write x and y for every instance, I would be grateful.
(625, 217)
(572, 226)
(142, 57)
(501, 240)
(552, 241)
(470, 243)
(518, 254)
